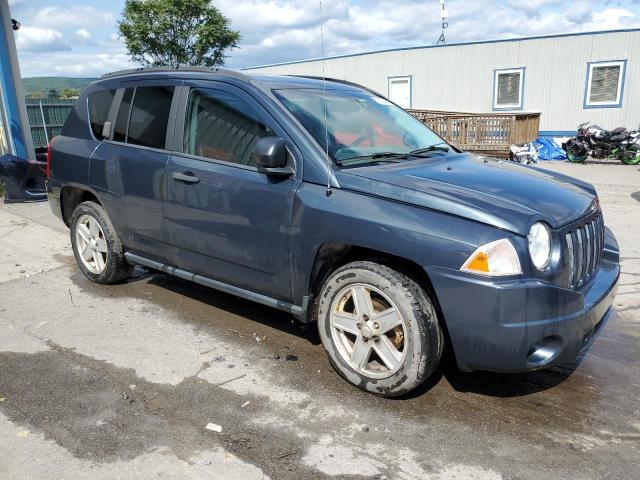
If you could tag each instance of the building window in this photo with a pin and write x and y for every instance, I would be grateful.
(508, 89)
(400, 91)
(605, 84)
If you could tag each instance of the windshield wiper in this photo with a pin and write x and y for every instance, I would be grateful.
(393, 156)
(378, 157)
(432, 148)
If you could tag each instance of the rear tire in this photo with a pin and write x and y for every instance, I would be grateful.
(379, 328)
(631, 160)
(96, 245)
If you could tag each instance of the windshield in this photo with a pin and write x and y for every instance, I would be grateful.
(360, 125)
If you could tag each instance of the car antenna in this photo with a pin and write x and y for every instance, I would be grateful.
(324, 94)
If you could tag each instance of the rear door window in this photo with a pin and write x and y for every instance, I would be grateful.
(222, 126)
(99, 105)
(150, 116)
(120, 132)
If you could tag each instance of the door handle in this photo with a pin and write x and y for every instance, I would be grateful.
(185, 177)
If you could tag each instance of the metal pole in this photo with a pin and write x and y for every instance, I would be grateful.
(15, 110)
(443, 14)
(44, 123)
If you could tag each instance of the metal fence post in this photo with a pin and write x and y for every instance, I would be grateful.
(44, 123)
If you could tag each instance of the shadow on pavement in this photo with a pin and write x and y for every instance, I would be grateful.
(231, 304)
(481, 383)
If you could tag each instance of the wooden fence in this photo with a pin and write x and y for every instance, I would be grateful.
(490, 133)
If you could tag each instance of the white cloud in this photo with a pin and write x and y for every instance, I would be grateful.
(532, 7)
(85, 38)
(34, 39)
(73, 16)
(83, 33)
(283, 30)
(613, 18)
(580, 12)
(73, 65)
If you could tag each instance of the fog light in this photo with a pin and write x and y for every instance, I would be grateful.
(544, 351)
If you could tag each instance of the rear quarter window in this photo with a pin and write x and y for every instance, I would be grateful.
(99, 105)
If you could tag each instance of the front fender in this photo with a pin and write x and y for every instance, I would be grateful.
(422, 236)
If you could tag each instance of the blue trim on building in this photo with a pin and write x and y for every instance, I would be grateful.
(557, 133)
(9, 96)
(450, 45)
(410, 77)
(521, 93)
(586, 85)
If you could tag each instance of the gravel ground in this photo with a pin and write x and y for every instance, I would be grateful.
(120, 382)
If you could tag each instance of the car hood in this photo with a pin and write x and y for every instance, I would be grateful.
(504, 194)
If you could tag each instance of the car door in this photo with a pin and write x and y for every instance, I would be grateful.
(227, 220)
(130, 165)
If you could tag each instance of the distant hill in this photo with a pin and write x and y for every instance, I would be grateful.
(42, 85)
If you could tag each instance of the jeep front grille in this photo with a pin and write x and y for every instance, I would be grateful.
(584, 251)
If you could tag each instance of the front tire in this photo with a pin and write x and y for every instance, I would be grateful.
(379, 328)
(576, 152)
(96, 245)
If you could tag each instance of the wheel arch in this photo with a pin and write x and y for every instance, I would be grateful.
(71, 196)
(333, 255)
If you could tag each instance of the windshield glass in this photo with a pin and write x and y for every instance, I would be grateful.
(360, 125)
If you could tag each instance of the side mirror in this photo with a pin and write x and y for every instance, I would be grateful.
(270, 155)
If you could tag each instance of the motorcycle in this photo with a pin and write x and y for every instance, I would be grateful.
(600, 143)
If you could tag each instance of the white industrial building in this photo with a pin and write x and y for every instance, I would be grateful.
(569, 79)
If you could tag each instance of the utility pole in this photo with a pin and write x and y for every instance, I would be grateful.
(443, 14)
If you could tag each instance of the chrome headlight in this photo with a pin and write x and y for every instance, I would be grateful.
(494, 259)
(540, 245)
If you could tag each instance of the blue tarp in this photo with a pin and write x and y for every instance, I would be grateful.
(548, 149)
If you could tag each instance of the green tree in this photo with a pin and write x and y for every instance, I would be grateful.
(176, 32)
(70, 93)
(53, 93)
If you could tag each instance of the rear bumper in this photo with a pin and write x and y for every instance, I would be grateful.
(53, 194)
(522, 325)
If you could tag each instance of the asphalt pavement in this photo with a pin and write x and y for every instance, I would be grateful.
(120, 382)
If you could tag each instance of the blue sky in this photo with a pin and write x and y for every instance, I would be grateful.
(79, 37)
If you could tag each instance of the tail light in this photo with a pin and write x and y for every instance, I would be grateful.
(48, 171)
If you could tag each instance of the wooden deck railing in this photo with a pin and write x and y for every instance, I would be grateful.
(491, 133)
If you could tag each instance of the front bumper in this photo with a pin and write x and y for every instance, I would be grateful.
(525, 324)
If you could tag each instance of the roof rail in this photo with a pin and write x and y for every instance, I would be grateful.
(186, 68)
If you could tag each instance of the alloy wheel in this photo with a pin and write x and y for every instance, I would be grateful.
(91, 244)
(368, 331)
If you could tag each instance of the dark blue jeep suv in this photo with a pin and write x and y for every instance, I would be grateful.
(325, 200)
